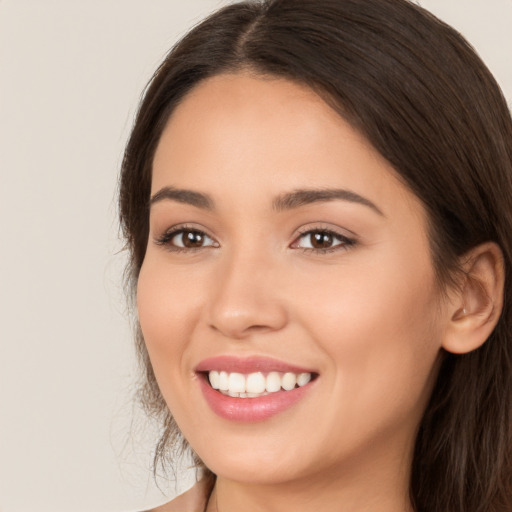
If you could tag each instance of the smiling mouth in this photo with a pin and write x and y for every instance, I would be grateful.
(256, 384)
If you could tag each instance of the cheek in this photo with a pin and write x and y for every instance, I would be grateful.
(167, 307)
(379, 331)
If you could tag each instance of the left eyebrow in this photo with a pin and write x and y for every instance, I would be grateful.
(304, 197)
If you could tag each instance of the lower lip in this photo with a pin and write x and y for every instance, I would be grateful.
(250, 409)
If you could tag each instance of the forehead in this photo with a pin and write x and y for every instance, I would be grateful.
(255, 136)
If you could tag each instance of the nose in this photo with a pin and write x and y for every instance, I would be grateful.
(246, 297)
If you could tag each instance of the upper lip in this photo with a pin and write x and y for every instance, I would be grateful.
(248, 365)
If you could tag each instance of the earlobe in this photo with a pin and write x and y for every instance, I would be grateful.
(479, 301)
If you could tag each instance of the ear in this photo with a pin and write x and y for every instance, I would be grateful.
(476, 305)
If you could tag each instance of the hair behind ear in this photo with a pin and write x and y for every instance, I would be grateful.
(466, 431)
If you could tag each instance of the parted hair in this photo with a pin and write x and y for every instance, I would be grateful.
(419, 93)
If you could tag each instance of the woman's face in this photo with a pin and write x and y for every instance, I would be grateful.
(282, 243)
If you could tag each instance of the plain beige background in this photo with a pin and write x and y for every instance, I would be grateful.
(71, 72)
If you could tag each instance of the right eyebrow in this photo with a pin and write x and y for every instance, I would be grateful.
(197, 199)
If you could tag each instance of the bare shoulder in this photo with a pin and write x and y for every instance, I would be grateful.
(194, 500)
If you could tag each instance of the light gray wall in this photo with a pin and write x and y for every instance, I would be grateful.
(71, 73)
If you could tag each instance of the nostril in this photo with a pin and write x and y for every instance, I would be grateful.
(241, 326)
(238, 308)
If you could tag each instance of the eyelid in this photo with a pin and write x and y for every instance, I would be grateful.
(166, 237)
(347, 241)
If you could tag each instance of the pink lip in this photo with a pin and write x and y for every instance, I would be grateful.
(250, 409)
(248, 365)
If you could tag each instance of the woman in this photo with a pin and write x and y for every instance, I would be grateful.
(316, 199)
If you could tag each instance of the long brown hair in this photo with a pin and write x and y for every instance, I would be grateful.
(419, 93)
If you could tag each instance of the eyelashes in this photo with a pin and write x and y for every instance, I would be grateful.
(183, 238)
(186, 239)
(322, 240)
(318, 240)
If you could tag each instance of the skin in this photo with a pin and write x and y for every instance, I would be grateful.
(367, 316)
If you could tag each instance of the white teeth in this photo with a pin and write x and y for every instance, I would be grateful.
(273, 382)
(214, 379)
(289, 381)
(255, 384)
(303, 378)
(223, 381)
(236, 383)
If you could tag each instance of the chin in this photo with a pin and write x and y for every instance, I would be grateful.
(254, 467)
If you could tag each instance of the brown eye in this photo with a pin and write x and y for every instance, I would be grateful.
(321, 240)
(187, 239)
(191, 239)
